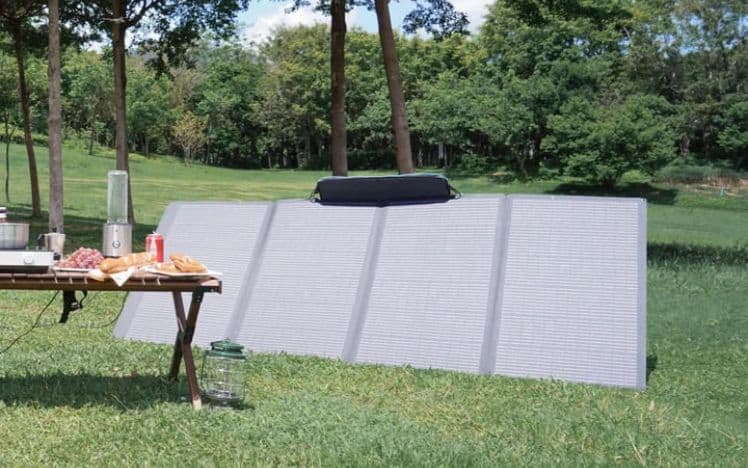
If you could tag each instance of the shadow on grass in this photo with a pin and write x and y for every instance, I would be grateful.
(651, 365)
(661, 196)
(136, 392)
(681, 254)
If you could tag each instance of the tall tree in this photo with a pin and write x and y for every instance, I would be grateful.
(338, 137)
(119, 27)
(8, 110)
(174, 26)
(338, 30)
(56, 218)
(437, 17)
(15, 17)
(403, 154)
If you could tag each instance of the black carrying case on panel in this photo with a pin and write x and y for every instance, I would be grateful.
(402, 189)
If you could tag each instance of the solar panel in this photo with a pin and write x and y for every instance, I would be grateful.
(572, 301)
(305, 291)
(432, 282)
(227, 237)
(527, 286)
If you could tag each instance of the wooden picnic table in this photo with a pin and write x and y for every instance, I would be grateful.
(70, 282)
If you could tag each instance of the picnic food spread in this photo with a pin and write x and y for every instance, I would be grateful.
(115, 261)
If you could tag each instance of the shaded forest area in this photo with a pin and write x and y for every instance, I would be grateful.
(581, 88)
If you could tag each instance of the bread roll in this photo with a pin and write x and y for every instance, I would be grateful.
(187, 264)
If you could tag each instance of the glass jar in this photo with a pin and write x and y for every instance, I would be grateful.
(223, 374)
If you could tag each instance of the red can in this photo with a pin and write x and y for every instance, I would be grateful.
(154, 243)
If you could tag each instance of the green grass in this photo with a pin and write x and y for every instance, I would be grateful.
(72, 395)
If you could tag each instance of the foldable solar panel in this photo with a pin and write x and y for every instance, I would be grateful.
(303, 297)
(572, 299)
(227, 236)
(526, 286)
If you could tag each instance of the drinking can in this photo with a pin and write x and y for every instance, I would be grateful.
(154, 243)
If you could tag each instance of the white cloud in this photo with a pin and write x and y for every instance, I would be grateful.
(474, 9)
(263, 26)
(263, 17)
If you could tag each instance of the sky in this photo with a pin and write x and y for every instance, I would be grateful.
(263, 16)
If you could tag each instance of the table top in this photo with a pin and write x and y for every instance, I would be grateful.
(77, 281)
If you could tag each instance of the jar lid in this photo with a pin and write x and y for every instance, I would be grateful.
(227, 348)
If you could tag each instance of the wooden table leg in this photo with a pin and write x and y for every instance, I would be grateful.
(183, 344)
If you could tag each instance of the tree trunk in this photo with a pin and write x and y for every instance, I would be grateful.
(304, 162)
(36, 208)
(338, 138)
(120, 95)
(54, 121)
(91, 140)
(8, 136)
(397, 99)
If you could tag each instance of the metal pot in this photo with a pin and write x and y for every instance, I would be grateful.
(14, 236)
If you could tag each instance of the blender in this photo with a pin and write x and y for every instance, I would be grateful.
(117, 238)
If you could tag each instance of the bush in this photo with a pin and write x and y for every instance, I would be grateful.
(361, 159)
(601, 142)
(471, 165)
(689, 171)
(17, 138)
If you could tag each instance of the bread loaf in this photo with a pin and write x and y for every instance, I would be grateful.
(187, 264)
(115, 265)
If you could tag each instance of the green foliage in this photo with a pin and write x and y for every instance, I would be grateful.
(734, 136)
(544, 89)
(228, 96)
(690, 171)
(16, 136)
(296, 90)
(87, 89)
(447, 111)
(602, 142)
(149, 114)
(189, 134)
(470, 165)
(8, 90)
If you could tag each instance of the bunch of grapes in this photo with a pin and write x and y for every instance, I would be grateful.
(82, 258)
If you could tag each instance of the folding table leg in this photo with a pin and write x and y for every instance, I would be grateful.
(183, 344)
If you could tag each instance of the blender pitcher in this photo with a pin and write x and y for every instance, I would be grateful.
(117, 239)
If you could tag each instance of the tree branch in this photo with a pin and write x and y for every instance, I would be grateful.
(136, 17)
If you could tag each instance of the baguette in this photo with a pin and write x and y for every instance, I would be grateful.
(116, 265)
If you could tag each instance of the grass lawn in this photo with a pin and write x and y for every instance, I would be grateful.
(72, 395)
